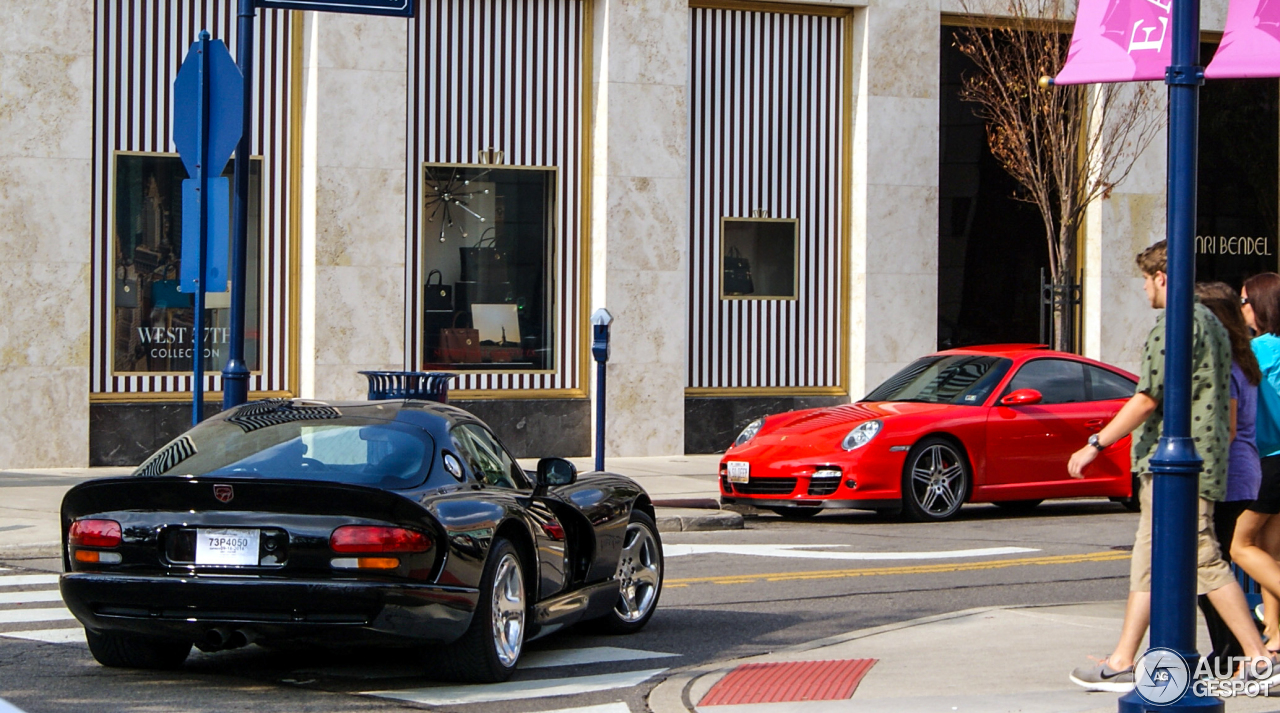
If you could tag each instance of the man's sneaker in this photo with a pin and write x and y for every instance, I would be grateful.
(1103, 678)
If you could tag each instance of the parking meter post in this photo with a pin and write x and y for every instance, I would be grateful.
(202, 199)
(235, 373)
(1176, 466)
(600, 322)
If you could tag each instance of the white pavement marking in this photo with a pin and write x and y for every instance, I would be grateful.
(795, 552)
(615, 707)
(7, 707)
(578, 657)
(24, 616)
(49, 636)
(516, 690)
(23, 580)
(43, 595)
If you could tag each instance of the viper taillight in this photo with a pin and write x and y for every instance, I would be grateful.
(365, 539)
(94, 533)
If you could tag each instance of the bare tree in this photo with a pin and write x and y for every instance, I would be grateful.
(1067, 146)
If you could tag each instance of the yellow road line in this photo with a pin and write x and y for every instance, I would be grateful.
(1104, 556)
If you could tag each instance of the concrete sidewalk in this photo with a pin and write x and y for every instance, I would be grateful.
(29, 499)
(993, 660)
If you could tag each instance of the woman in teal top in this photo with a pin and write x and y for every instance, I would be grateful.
(1260, 303)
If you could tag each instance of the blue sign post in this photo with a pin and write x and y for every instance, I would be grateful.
(1175, 466)
(207, 96)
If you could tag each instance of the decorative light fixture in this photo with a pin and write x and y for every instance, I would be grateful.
(489, 156)
(760, 213)
(443, 194)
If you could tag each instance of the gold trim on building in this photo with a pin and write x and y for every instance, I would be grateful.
(795, 259)
(176, 397)
(516, 395)
(692, 393)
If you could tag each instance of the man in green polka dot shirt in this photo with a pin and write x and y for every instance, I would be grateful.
(1143, 415)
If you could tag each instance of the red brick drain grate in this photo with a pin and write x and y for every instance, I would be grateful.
(789, 681)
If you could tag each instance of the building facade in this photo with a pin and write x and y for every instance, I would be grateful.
(781, 204)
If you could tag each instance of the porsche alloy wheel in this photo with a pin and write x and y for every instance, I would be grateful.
(639, 576)
(935, 481)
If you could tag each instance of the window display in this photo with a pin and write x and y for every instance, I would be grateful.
(153, 322)
(487, 257)
(758, 258)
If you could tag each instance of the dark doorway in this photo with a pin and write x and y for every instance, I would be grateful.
(1237, 197)
(991, 247)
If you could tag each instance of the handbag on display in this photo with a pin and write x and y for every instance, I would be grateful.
(126, 293)
(483, 263)
(470, 293)
(737, 274)
(165, 295)
(437, 296)
(459, 345)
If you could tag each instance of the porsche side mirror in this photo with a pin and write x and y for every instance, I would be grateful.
(555, 472)
(1022, 397)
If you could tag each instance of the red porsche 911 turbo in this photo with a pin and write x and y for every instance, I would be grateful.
(981, 424)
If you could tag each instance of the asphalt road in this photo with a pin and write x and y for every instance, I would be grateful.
(728, 594)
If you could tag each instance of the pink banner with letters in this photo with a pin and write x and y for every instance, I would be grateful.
(1120, 41)
(1250, 43)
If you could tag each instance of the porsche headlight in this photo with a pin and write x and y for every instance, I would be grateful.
(861, 435)
(749, 432)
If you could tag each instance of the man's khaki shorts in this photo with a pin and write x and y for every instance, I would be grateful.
(1212, 572)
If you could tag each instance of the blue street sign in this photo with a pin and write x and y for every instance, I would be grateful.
(216, 250)
(392, 8)
(226, 104)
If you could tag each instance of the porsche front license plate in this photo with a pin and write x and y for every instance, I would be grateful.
(739, 471)
(226, 547)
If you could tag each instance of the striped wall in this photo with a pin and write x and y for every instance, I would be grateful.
(505, 74)
(766, 108)
(138, 47)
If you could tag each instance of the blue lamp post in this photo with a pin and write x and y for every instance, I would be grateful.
(600, 322)
(1175, 465)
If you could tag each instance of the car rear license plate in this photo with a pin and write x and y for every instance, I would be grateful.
(223, 546)
(739, 471)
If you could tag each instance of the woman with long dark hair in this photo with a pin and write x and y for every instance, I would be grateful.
(1257, 536)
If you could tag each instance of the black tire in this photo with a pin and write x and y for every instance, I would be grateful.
(479, 656)
(640, 572)
(1132, 503)
(1019, 507)
(935, 480)
(797, 513)
(119, 650)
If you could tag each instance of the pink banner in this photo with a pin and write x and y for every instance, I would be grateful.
(1119, 41)
(1251, 42)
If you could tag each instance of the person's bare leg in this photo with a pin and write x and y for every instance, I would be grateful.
(1137, 617)
(1270, 541)
(1249, 553)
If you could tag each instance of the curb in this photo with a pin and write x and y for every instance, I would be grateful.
(40, 550)
(694, 520)
(676, 693)
(693, 503)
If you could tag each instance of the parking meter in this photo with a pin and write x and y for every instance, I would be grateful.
(600, 322)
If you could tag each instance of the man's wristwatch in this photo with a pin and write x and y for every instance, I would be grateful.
(1093, 441)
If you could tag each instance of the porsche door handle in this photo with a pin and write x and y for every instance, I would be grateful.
(1094, 425)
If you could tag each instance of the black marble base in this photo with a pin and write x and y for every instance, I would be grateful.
(537, 428)
(711, 424)
(126, 433)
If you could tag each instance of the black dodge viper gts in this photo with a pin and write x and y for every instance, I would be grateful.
(380, 522)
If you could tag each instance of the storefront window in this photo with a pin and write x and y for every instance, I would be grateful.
(487, 260)
(758, 258)
(153, 321)
(1239, 159)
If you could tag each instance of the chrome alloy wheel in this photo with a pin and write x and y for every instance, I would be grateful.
(938, 481)
(639, 573)
(508, 610)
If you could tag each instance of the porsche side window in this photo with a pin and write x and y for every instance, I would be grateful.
(490, 461)
(1107, 385)
(1059, 381)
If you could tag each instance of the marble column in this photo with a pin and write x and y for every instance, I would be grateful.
(894, 261)
(46, 119)
(357, 93)
(640, 217)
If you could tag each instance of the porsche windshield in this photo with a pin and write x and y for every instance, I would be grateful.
(359, 451)
(958, 379)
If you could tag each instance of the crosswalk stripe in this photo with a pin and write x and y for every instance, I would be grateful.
(615, 707)
(24, 616)
(43, 595)
(516, 690)
(49, 636)
(577, 657)
(23, 580)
